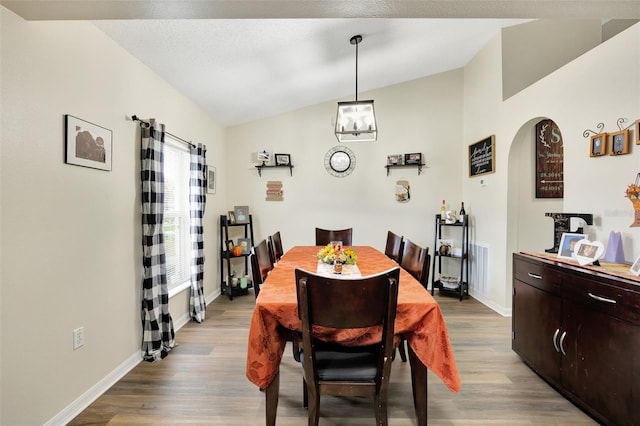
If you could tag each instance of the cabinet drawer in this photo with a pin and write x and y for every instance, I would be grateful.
(537, 275)
(603, 297)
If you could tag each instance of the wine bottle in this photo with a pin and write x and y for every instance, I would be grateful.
(462, 212)
(443, 211)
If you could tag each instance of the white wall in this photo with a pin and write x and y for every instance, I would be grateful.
(600, 86)
(70, 239)
(418, 116)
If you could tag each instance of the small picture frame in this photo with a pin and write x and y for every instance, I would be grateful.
(598, 145)
(210, 173)
(283, 159)
(87, 144)
(245, 243)
(413, 158)
(636, 130)
(231, 217)
(395, 160)
(264, 156)
(619, 142)
(241, 214)
(230, 245)
(635, 268)
(568, 244)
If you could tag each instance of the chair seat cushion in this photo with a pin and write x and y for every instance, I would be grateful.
(336, 363)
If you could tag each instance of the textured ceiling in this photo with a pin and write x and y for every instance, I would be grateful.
(240, 67)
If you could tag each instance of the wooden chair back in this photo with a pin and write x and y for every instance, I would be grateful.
(393, 248)
(325, 236)
(415, 260)
(260, 265)
(333, 369)
(276, 245)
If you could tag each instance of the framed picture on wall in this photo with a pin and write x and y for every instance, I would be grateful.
(283, 159)
(413, 158)
(87, 144)
(619, 142)
(636, 130)
(210, 173)
(598, 145)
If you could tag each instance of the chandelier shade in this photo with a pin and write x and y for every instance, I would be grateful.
(356, 120)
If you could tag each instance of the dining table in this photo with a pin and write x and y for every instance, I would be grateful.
(419, 320)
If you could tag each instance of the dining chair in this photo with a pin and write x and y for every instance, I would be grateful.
(416, 261)
(393, 248)
(325, 236)
(335, 369)
(260, 265)
(276, 246)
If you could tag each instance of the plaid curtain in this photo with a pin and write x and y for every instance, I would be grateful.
(158, 336)
(197, 201)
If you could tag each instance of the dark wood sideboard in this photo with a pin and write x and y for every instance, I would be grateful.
(579, 329)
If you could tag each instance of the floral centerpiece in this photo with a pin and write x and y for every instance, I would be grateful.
(330, 254)
(633, 194)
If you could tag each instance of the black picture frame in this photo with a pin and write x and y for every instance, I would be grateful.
(482, 157)
(87, 144)
(413, 158)
(230, 245)
(283, 159)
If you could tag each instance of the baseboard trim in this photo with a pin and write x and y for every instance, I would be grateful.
(87, 398)
(77, 406)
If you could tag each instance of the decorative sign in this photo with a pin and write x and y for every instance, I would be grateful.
(549, 160)
(274, 190)
(482, 157)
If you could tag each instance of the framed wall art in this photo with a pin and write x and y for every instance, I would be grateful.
(283, 159)
(619, 142)
(482, 157)
(598, 145)
(636, 130)
(210, 172)
(87, 144)
(549, 160)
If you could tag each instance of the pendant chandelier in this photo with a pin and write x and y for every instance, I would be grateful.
(356, 120)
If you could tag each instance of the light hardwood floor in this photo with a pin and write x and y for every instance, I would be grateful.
(202, 381)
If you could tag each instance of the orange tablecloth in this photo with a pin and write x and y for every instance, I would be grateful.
(418, 318)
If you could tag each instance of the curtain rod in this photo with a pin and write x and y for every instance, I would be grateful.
(147, 124)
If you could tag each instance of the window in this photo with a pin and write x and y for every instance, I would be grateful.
(177, 241)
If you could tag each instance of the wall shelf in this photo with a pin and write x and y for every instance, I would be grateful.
(392, 166)
(264, 166)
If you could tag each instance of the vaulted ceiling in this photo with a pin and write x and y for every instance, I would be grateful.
(243, 60)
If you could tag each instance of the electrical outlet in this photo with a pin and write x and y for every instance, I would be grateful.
(78, 338)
